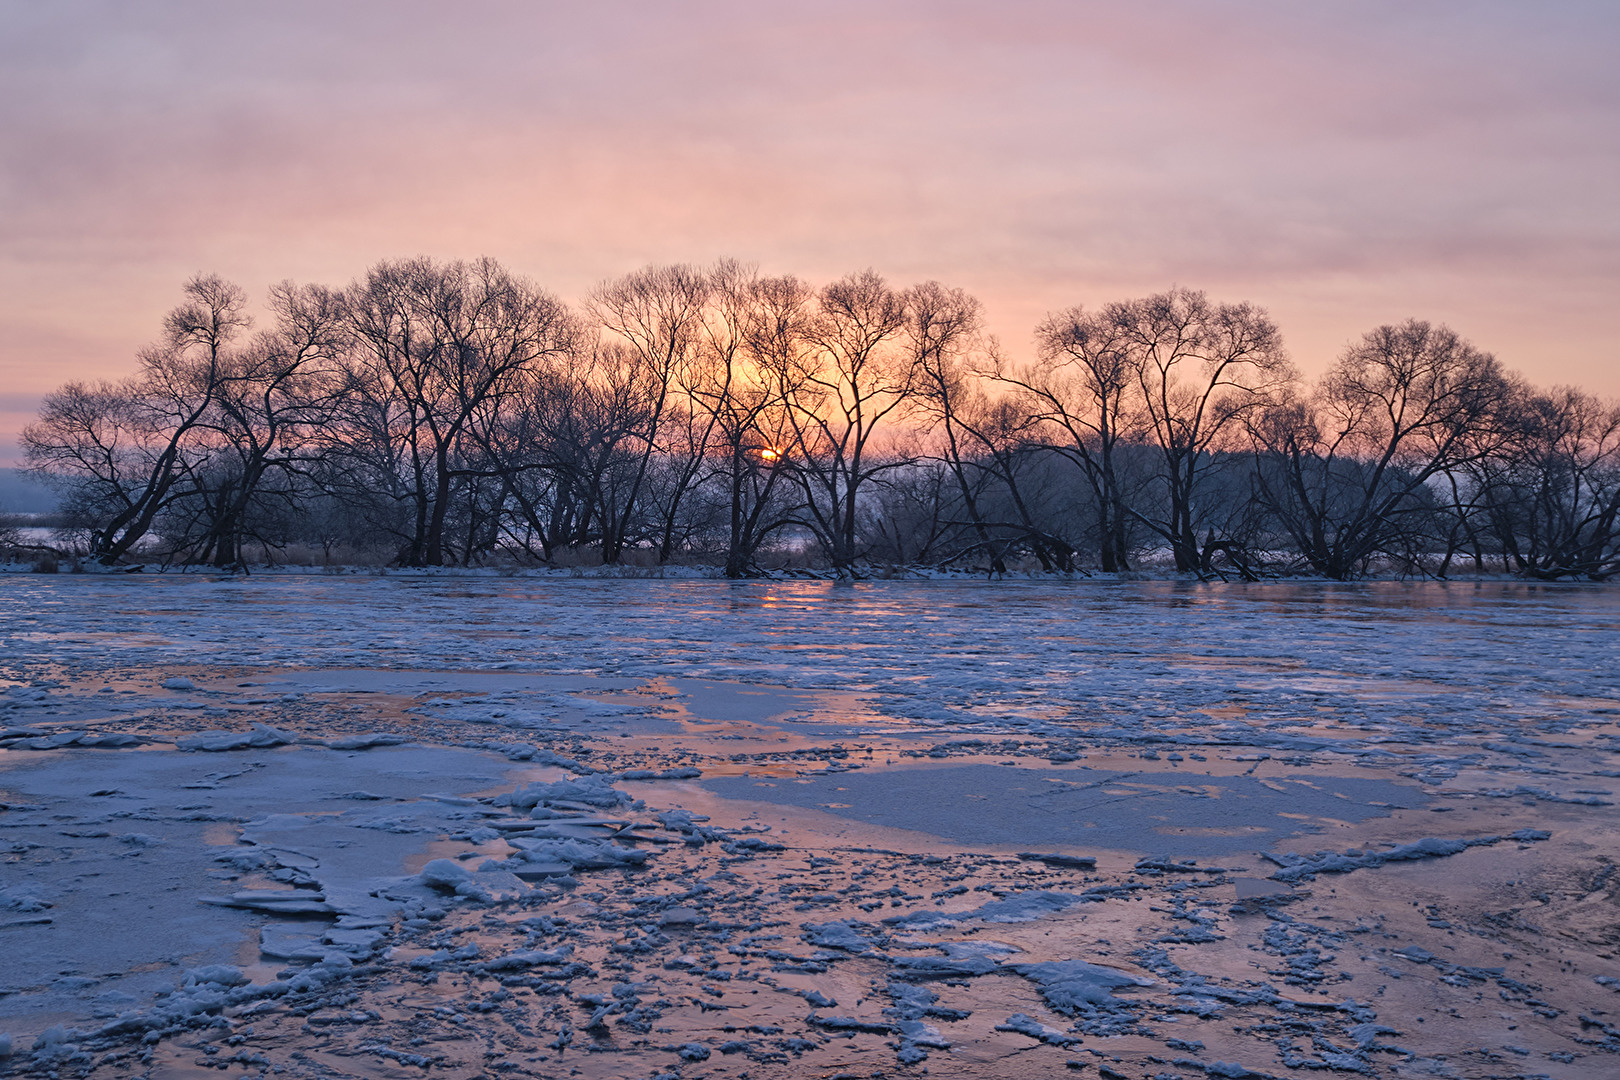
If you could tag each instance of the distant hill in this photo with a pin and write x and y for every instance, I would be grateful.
(22, 494)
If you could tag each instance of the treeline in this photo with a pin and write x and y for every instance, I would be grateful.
(434, 414)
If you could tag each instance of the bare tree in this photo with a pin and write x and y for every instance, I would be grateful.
(754, 331)
(456, 413)
(524, 439)
(945, 328)
(658, 313)
(437, 343)
(605, 438)
(270, 396)
(1202, 369)
(1349, 465)
(126, 452)
(854, 374)
(1085, 387)
(1552, 488)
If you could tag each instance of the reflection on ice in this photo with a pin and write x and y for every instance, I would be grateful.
(627, 828)
(1085, 807)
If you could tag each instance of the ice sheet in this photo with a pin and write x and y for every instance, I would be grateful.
(988, 829)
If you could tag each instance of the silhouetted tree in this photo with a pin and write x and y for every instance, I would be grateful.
(123, 453)
(435, 344)
(1552, 492)
(851, 377)
(1202, 369)
(1345, 469)
(658, 313)
(1083, 392)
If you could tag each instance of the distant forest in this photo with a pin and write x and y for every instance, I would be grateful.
(453, 413)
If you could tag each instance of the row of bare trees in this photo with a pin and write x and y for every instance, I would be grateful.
(454, 413)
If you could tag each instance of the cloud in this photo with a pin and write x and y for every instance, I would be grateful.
(1341, 164)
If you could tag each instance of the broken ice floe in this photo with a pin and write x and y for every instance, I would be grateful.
(589, 791)
(1018, 907)
(27, 897)
(1053, 858)
(1026, 1025)
(1305, 867)
(684, 772)
(261, 737)
(201, 998)
(844, 934)
(276, 902)
(38, 739)
(1086, 991)
(366, 742)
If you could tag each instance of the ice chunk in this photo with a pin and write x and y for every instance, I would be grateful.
(1024, 1024)
(589, 790)
(366, 742)
(111, 740)
(217, 974)
(567, 830)
(178, 682)
(287, 902)
(961, 959)
(920, 1034)
(1021, 907)
(283, 942)
(583, 854)
(1071, 986)
(53, 1042)
(1053, 858)
(837, 935)
(493, 887)
(262, 736)
(357, 943)
(848, 1023)
(681, 916)
(922, 920)
(53, 742)
(1160, 864)
(1427, 848)
(945, 967)
(28, 897)
(444, 873)
(535, 871)
(519, 961)
(958, 950)
(1024, 907)
(1305, 867)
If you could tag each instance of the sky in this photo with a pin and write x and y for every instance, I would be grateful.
(1342, 164)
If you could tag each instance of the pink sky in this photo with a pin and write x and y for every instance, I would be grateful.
(1342, 165)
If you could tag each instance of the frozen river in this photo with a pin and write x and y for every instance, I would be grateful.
(1135, 654)
(1162, 828)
